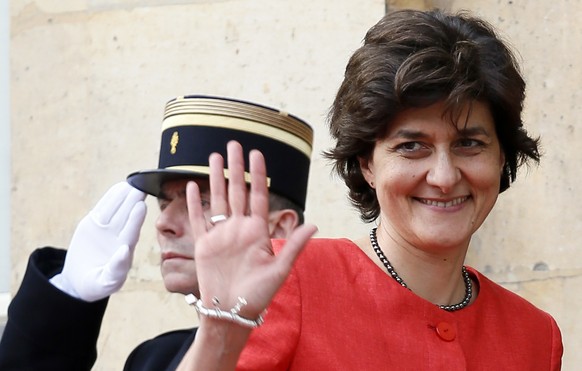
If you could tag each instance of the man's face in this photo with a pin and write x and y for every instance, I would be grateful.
(175, 236)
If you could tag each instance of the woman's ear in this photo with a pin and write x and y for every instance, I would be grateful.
(282, 223)
(367, 168)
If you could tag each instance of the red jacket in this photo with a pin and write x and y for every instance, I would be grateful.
(339, 311)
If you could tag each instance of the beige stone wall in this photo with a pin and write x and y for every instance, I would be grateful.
(89, 80)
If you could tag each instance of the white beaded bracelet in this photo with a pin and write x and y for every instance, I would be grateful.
(232, 315)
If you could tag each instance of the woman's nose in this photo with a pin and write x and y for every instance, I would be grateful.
(443, 172)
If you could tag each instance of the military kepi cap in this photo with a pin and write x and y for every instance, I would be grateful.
(196, 126)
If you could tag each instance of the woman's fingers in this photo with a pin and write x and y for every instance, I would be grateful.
(236, 257)
(259, 197)
(234, 202)
(218, 196)
(237, 187)
(293, 247)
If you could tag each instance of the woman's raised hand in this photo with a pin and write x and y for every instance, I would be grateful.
(234, 256)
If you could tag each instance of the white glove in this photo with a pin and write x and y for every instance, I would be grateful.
(101, 250)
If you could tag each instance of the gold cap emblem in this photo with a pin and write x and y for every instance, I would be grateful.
(174, 142)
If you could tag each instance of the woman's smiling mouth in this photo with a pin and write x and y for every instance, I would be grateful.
(443, 204)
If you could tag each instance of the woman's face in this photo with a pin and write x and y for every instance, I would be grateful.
(436, 184)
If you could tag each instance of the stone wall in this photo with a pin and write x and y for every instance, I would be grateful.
(89, 80)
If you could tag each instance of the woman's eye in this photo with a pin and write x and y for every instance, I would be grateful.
(409, 146)
(470, 146)
(468, 142)
(412, 150)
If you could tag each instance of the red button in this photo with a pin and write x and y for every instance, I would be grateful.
(446, 331)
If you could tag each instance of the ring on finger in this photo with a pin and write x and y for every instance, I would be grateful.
(217, 218)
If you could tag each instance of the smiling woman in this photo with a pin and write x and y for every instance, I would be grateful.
(428, 131)
(439, 180)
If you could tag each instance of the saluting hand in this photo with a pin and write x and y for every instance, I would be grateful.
(101, 250)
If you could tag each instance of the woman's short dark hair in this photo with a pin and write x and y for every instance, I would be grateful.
(413, 59)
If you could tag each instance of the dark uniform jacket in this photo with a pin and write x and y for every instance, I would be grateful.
(50, 330)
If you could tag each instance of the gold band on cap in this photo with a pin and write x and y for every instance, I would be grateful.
(235, 123)
(233, 114)
(206, 170)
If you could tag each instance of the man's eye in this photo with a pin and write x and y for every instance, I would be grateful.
(162, 204)
(205, 204)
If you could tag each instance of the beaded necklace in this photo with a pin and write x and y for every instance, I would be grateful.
(393, 274)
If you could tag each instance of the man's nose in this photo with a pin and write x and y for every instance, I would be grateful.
(171, 220)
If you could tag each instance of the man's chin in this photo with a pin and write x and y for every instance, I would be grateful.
(180, 285)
